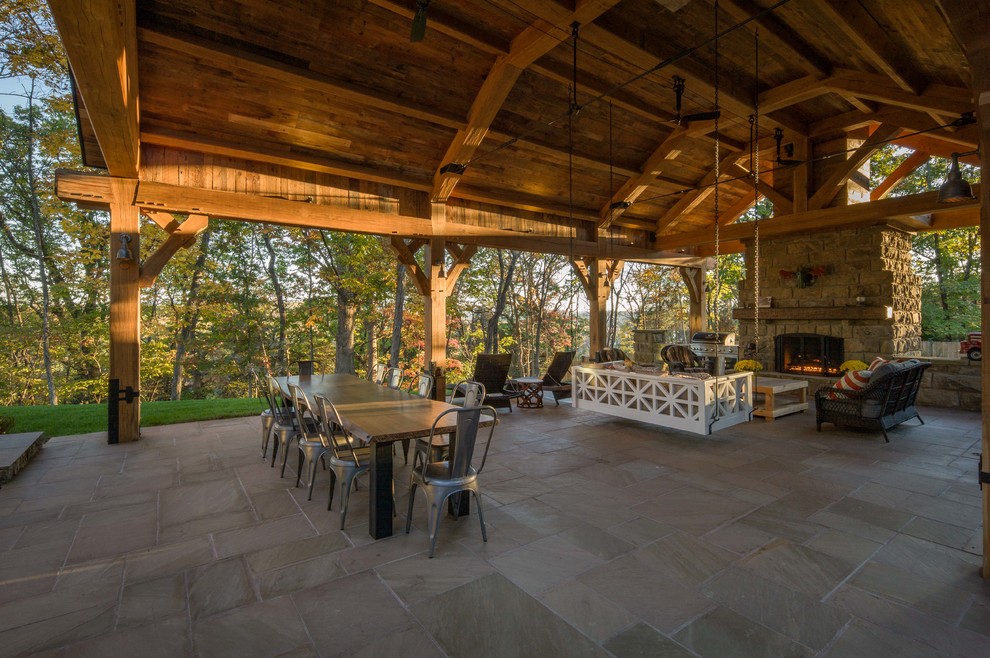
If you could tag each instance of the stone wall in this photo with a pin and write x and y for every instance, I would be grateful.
(833, 276)
(952, 383)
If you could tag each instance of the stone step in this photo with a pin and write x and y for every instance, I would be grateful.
(16, 450)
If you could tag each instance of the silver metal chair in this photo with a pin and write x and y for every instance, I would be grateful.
(393, 378)
(378, 373)
(267, 417)
(313, 442)
(348, 457)
(284, 427)
(424, 386)
(465, 394)
(442, 479)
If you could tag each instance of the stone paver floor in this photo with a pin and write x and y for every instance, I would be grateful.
(606, 537)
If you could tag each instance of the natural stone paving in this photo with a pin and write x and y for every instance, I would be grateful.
(606, 537)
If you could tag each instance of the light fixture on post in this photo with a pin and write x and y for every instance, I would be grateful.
(124, 256)
(956, 188)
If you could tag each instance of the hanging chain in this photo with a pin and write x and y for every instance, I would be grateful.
(756, 201)
(718, 270)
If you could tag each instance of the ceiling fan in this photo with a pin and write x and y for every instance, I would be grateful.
(419, 21)
(688, 118)
(778, 135)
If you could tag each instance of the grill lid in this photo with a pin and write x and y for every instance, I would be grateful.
(714, 338)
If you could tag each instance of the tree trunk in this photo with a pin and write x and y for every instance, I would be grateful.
(369, 329)
(345, 332)
(10, 294)
(504, 285)
(188, 330)
(400, 300)
(940, 274)
(282, 364)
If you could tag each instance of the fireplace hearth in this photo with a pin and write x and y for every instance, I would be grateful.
(808, 354)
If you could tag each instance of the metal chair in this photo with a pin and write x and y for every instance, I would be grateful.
(284, 428)
(465, 394)
(553, 381)
(267, 416)
(348, 458)
(313, 442)
(424, 387)
(393, 378)
(442, 479)
(378, 373)
(492, 370)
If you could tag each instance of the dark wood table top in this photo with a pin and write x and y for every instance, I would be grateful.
(371, 412)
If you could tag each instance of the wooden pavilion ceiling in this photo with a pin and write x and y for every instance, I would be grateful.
(338, 88)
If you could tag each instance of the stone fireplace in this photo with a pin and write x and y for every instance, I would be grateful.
(846, 294)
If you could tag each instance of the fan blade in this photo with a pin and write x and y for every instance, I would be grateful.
(789, 163)
(419, 22)
(702, 116)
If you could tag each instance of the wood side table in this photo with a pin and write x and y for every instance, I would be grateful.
(773, 407)
(532, 392)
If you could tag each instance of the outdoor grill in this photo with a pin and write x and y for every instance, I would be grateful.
(717, 349)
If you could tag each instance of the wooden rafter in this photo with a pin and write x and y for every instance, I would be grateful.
(870, 39)
(778, 36)
(841, 174)
(940, 99)
(692, 198)
(531, 44)
(106, 74)
(781, 202)
(902, 171)
(405, 251)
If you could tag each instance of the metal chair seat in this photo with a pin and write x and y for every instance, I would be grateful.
(348, 458)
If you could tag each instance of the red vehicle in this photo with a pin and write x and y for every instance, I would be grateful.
(972, 346)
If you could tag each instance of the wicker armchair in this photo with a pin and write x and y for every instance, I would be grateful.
(883, 403)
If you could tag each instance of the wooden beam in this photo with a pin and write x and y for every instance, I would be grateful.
(532, 43)
(941, 99)
(792, 93)
(636, 185)
(462, 255)
(779, 37)
(182, 237)
(901, 172)
(779, 200)
(692, 198)
(165, 220)
(858, 214)
(841, 174)
(868, 38)
(694, 280)
(100, 40)
(407, 256)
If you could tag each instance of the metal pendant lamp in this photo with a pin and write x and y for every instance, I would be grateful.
(955, 188)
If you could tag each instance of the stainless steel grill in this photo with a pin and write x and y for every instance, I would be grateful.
(718, 350)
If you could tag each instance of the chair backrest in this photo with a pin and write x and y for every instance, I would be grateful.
(678, 357)
(467, 393)
(558, 368)
(309, 367)
(610, 354)
(308, 420)
(492, 371)
(378, 373)
(425, 385)
(462, 448)
(393, 378)
(342, 444)
(281, 410)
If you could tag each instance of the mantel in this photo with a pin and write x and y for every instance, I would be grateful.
(815, 313)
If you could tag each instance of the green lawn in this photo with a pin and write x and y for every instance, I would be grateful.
(82, 418)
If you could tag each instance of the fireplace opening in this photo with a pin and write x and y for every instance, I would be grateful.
(808, 354)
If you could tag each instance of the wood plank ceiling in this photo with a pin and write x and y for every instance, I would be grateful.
(339, 88)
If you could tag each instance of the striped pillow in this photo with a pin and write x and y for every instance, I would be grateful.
(853, 380)
(876, 363)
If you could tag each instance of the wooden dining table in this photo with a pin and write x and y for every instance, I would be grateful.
(380, 416)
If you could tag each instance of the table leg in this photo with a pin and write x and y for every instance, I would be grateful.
(380, 496)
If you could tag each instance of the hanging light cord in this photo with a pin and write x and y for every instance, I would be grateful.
(718, 271)
(756, 198)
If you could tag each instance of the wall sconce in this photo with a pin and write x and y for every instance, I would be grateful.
(956, 188)
(890, 312)
(124, 255)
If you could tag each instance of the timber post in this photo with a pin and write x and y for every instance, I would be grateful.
(596, 276)
(694, 279)
(968, 20)
(125, 314)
